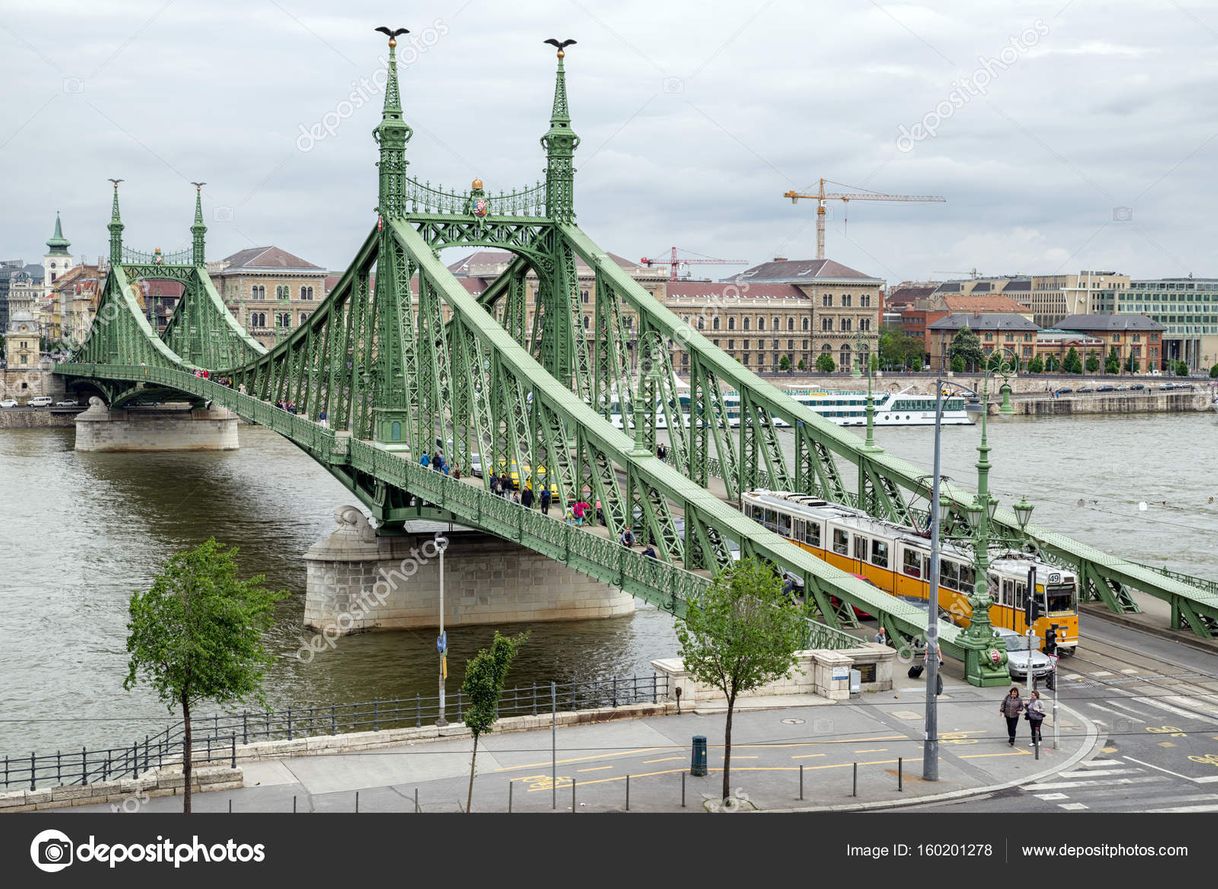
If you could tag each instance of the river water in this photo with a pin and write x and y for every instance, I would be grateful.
(80, 532)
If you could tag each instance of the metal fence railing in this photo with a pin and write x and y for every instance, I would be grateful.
(215, 738)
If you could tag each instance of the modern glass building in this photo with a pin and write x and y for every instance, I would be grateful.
(1186, 307)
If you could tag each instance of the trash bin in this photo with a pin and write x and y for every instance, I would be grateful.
(697, 764)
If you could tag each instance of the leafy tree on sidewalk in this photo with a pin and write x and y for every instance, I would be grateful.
(1112, 364)
(739, 634)
(825, 363)
(1093, 363)
(1036, 365)
(485, 674)
(1072, 363)
(197, 635)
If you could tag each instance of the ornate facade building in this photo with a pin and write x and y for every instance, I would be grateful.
(269, 290)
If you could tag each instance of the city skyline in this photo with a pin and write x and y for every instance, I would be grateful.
(237, 107)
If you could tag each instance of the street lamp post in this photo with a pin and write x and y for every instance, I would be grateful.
(930, 751)
(442, 639)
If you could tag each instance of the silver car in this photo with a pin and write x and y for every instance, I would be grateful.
(1019, 658)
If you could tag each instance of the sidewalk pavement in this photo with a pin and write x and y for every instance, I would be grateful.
(643, 764)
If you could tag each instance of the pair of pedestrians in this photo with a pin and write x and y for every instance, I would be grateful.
(1034, 711)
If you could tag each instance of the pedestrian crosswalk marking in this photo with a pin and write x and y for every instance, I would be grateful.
(1135, 713)
(1116, 713)
(1182, 809)
(1095, 773)
(1102, 673)
(1176, 710)
(1101, 762)
(1072, 807)
(1051, 797)
(1067, 785)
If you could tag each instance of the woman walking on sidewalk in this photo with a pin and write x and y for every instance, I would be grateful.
(1036, 716)
(1010, 708)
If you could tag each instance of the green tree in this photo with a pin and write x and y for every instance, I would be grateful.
(1112, 364)
(1052, 364)
(1072, 363)
(1036, 365)
(197, 635)
(966, 345)
(802, 365)
(1132, 365)
(825, 363)
(784, 363)
(873, 362)
(1181, 368)
(1214, 372)
(739, 634)
(1093, 362)
(485, 674)
(958, 364)
(899, 349)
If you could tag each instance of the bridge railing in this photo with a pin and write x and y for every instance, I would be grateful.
(217, 737)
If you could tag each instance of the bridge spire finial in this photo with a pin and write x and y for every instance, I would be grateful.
(560, 143)
(198, 230)
(392, 134)
(116, 229)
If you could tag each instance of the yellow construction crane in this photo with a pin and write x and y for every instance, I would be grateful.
(859, 194)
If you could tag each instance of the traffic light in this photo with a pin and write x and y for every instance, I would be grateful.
(1051, 640)
(1032, 609)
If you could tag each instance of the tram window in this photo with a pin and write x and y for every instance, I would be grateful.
(771, 520)
(968, 578)
(912, 563)
(784, 524)
(860, 547)
(949, 574)
(841, 542)
(1061, 598)
(879, 553)
(797, 529)
(812, 533)
(1008, 592)
(1021, 596)
(757, 514)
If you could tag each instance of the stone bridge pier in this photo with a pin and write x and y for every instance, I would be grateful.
(159, 428)
(361, 580)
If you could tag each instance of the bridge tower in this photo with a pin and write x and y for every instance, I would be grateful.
(390, 374)
(198, 231)
(116, 229)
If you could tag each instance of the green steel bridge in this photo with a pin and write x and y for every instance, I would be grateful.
(400, 355)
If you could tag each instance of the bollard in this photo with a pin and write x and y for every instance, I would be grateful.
(230, 807)
(416, 800)
(627, 793)
(511, 784)
(900, 774)
(697, 766)
(572, 796)
(855, 791)
(682, 790)
(357, 802)
(801, 780)
(1037, 745)
(293, 804)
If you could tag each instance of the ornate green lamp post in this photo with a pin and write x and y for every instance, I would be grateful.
(985, 662)
(869, 443)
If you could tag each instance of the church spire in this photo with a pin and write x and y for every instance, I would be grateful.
(57, 244)
(560, 143)
(116, 229)
(198, 230)
(392, 134)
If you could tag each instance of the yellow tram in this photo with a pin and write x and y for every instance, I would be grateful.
(896, 559)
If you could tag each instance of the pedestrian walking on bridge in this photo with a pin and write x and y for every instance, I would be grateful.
(1036, 716)
(1010, 708)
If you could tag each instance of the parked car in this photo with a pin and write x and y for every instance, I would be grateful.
(1137, 387)
(9, 402)
(41, 401)
(1084, 389)
(1065, 390)
(1107, 388)
(67, 403)
(1019, 657)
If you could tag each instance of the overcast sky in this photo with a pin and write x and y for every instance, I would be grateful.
(1064, 135)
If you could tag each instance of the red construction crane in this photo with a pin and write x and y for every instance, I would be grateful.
(677, 263)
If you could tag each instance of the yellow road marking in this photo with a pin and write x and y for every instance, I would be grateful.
(592, 758)
(985, 755)
(648, 762)
(594, 769)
